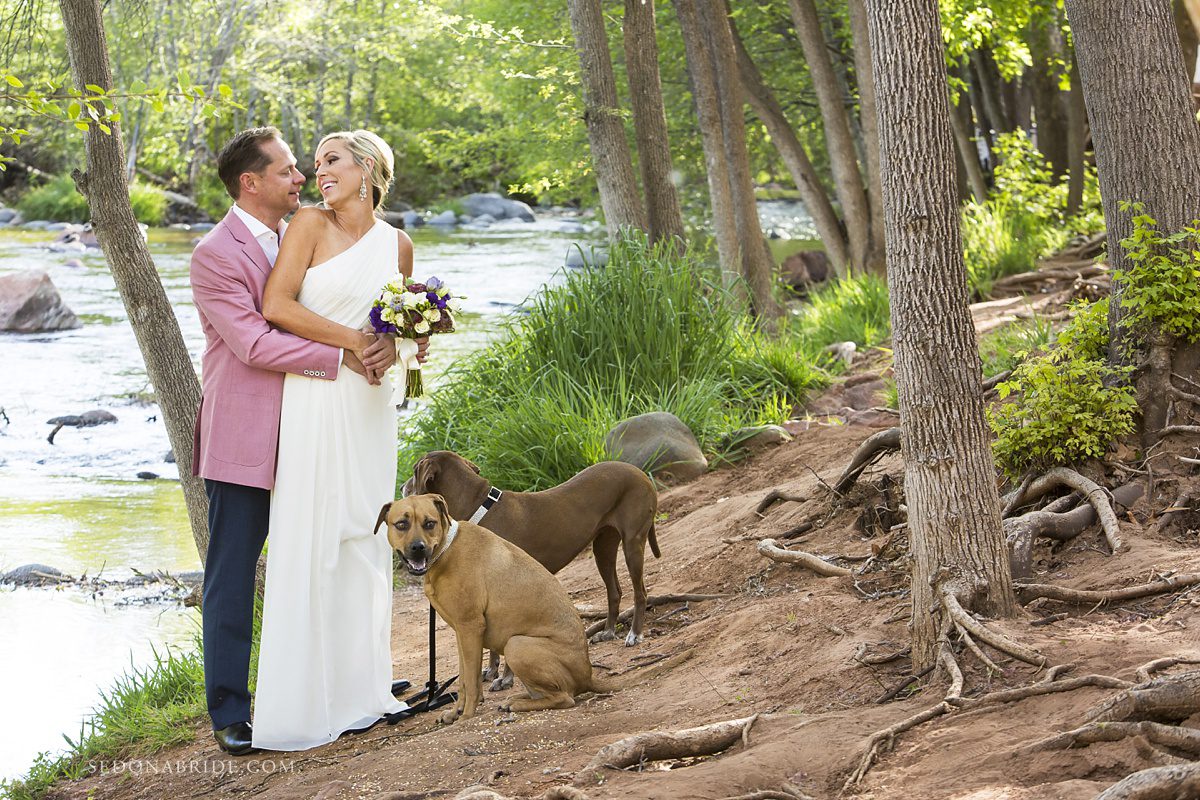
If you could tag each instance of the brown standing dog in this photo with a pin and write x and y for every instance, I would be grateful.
(494, 595)
(607, 505)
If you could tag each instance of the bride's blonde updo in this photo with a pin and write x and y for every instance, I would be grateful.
(363, 145)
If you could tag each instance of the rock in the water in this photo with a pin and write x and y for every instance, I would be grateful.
(74, 263)
(10, 216)
(146, 475)
(475, 205)
(805, 269)
(446, 218)
(35, 575)
(169, 458)
(412, 219)
(29, 303)
(757, 437)
(660, 443)
(585, 256)
(87, 419)
(393, 218)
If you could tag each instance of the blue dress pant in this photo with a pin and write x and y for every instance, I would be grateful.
(237, 529)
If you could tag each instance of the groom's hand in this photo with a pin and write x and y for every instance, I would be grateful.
(422, 348)
(352, 361)
(381, 355)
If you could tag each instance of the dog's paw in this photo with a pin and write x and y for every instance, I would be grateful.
(633, 639)
(449, 716)
(490, 674)
(603, 636)
(501, 683)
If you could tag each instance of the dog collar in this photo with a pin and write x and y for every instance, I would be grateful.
(450, 534)
(493, 496)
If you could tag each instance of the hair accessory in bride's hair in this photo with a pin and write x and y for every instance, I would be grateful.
(362, 189)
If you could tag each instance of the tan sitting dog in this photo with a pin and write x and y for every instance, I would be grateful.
(608, 505)
(494, 595)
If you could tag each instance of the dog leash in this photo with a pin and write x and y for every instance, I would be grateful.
(493, 496)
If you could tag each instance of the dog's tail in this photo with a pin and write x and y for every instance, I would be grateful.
(653, 542)
(635, 675)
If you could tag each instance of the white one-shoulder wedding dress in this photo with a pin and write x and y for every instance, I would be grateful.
(325, 664)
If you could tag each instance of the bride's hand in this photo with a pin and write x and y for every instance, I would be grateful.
(352, 362)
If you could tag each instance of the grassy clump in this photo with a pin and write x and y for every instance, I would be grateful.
(59, 201)
(848, 310)
(1003, 349)
(652, 331)
(1072, 405)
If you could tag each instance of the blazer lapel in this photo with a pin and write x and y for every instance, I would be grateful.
(250, 245)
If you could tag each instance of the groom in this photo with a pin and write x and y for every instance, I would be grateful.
(237, 429)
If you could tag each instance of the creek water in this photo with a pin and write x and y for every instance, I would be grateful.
(78, 505)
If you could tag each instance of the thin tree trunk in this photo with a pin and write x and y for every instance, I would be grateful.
(606, 132)
(795, 158)
(968, 154)
(869, 120)
(650, 122)
(708, 114)
(949, 474)
(757, 266)
(1147, 145)
(1076, 141)
(989, 85)
(843, 160)
(987, 128)
(150, 315)
(1047, 47)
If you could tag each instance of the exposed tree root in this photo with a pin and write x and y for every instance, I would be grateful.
(994, 638)
(1145, 671)
(1097, 496)
(1179, 429)
(870, 451)
(1021, 532)
(1184, 739)
(1157, 783)
(881, 740)
(553, 793)
(890, 694)
(787, 792)
(883, 658)
(771, 549)
(1028, 592)
(774, 496)
(652, 601)
(1170, 699)
(663, 745)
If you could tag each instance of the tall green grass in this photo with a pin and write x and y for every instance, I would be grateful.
(848, 310)
(652, 331)
(59, 201)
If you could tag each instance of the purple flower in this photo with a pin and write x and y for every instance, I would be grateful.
(434, 283)
(378, 324)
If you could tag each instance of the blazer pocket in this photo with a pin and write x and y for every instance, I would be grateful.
(245, 428)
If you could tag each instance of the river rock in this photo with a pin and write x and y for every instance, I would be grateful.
(412, 219)
(805, 269)
(29, 303)
(75, 238)
(87, 419)
(498, 207)
(758, 437)
(35, 575)
(169, 458)
(660, 443)
(393, 218)
(583, 255)
(203, 226)
(445, 219)
(74, 263)
(9, 216)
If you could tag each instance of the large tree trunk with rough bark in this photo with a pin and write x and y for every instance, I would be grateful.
(795, 158)
(756, 265)
(703, 77)
(839, 142)
(606, 132)
(104, 185)
(1147, 146)
(650, 121)
(949, 476)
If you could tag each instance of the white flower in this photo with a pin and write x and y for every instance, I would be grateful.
(454, 305)
(432, 315)
(387, 297)
(421, 327)
(412, 299)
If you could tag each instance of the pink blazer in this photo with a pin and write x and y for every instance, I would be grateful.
(237, 427)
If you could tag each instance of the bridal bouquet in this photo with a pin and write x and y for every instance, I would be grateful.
(410, 309)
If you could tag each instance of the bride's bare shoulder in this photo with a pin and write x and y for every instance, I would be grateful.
(311, 218)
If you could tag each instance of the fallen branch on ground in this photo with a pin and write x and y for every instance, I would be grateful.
(1185, 739)
(1028, 592)
(1170, 699)
(666, 745)
(651, 601)
(771, 549)
(870, 451)
(774, 496)
(1157, 783)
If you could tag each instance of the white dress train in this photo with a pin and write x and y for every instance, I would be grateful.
(325, 663)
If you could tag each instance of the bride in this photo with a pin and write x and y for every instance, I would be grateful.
(325, 664)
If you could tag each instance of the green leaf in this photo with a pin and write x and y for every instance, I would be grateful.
(13, 81)
(137, 87)
(104, 127)
(94, 89)
(73, 110)
(83, 126)
(225, 90)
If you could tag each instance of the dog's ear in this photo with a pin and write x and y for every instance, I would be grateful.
(439, 503)
(423, 474)
(471, 464)
(383, 512)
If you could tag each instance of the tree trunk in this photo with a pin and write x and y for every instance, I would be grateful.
(1048, 50)
(869, 120)
(703, 79)
(1185, 25)
(949, 475)
(795, 158)
(104, 185)
(1147, 145)
(839, 142)
(968, 153)
(650, 122)
(1076, 141)
(989, 87)
(757, 266)
(606, 132)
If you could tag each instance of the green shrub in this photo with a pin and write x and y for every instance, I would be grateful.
(1072, 405)
(1003, 349)
(1162, 289)
(848, 310)
(59, 201)
(652, 331)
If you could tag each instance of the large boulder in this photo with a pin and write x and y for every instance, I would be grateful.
(9, 216)
(659, 443)
(445, 219)
(29, 303)
(475, 205)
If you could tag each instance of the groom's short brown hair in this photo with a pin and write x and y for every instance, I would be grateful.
(243, 153)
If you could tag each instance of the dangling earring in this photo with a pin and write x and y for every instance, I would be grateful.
(362, 190)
